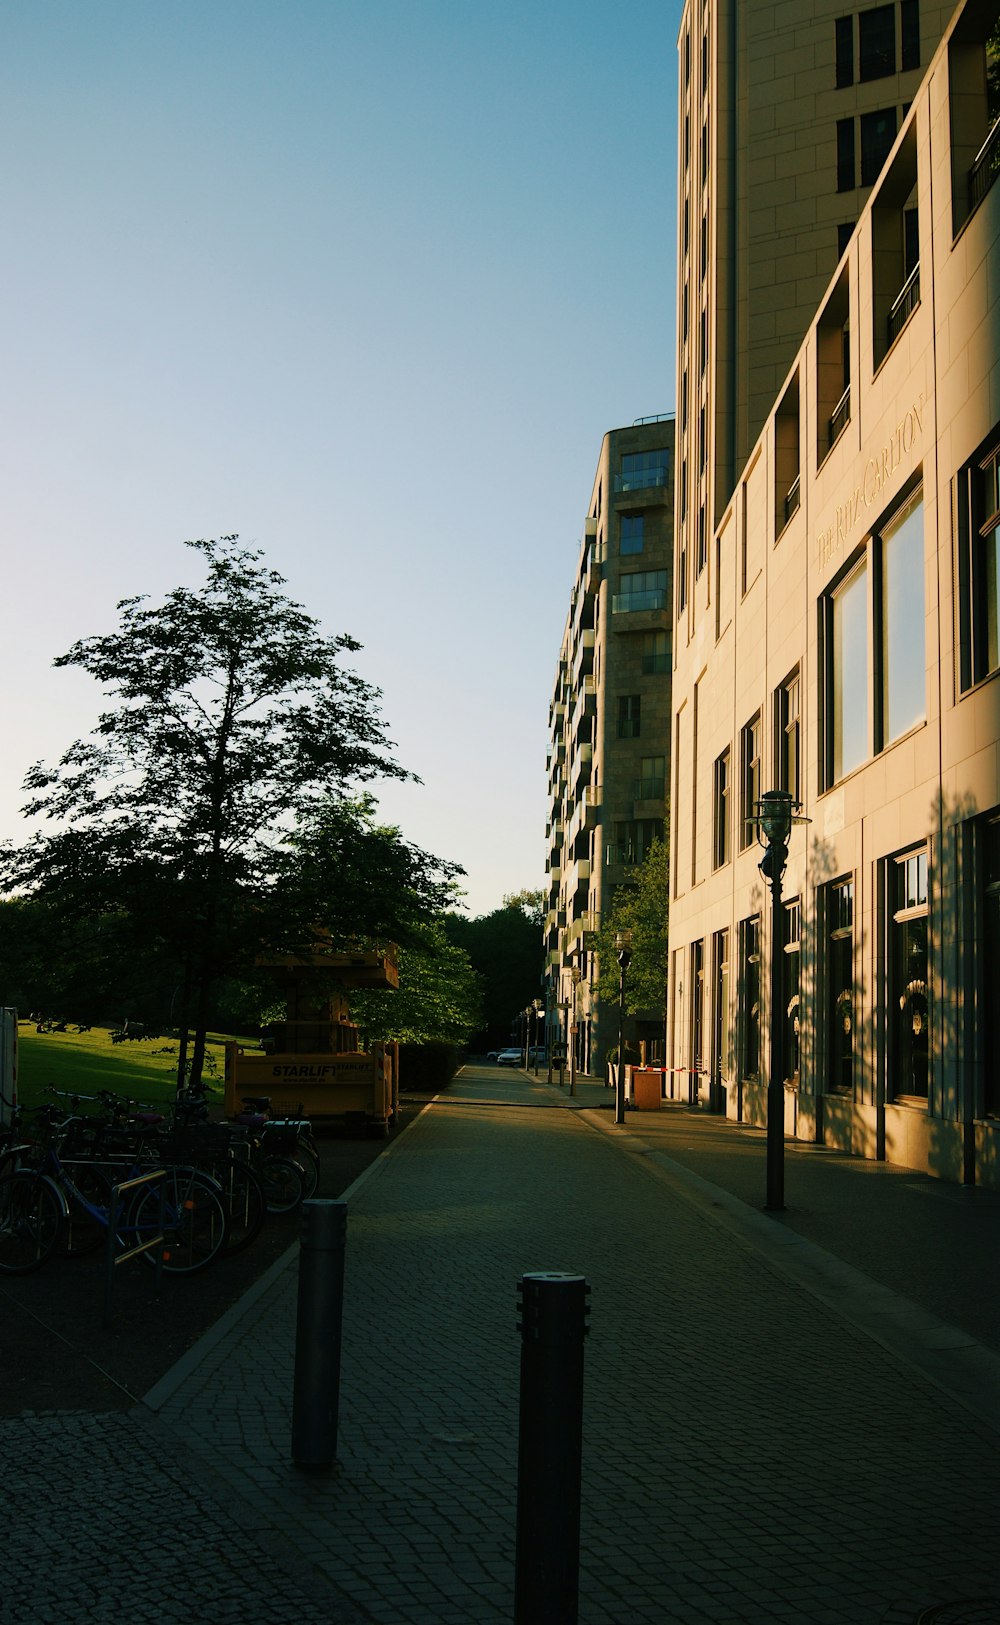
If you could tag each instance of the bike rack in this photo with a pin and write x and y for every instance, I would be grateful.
(116, 1257)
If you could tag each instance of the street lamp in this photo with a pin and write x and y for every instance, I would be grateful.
(576, 974)
(526, 1015)
(623, 950)
(774, 816)
(538, 1007)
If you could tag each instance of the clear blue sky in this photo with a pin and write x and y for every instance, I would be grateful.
(365, 283)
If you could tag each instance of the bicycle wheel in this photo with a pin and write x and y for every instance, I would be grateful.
(246, 1204)
(284, 1183)
(81, 1233)
(194, 1221)
(30, 1215)
(308, 1161)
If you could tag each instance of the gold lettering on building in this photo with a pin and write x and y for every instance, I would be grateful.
(877, 474)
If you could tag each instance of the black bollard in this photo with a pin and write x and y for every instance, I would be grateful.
(316, 1395)
(553, 1324)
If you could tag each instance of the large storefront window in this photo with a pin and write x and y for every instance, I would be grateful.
(840, 986)
(909, 1053)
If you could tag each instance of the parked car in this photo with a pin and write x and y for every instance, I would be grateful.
(538, 1053)
(510, 1057)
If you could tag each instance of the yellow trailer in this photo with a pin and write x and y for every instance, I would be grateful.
(355, 1088)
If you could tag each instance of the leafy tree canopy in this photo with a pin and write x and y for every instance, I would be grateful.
(640, 906)
(215, 810)
(439, 995)
(505, 948)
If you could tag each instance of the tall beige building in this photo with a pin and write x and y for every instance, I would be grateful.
(837, 636)
(609, 724)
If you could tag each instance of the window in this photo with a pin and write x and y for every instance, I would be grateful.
(788, 735)
(642, 470)
(910, 29)
(979, 565)
(845, 231)
(697, 1012)
(847, 674)
(651, 785)
(631, 533)
(833, 367)
(840, 988)
(720, 1045)
(655, 654)
(878, 132)
(749, 996)
(909, 1047)
(640, 589)
(877, 42)
(791, 932)
(629, 711)
(846, 161)
(702, 557)
(989, 958)
(845, 51)
(901, 645)
(633, 839)
(720, 811)
(787, 491)
(749, 780)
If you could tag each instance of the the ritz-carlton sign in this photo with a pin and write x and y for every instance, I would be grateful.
(878, 473)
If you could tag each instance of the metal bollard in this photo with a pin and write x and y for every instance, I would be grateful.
(553, 1324)
(316, 1394)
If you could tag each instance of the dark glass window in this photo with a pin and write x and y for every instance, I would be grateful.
(631, 537)
(655, 654)
(877, 42)
(979, 567)
(789, 735)
(989, 961)
(910, 18)
(878, 132)
(846, 164)
(840, 987)
(642, 470)
(629, 716)
(720, 820)
(748, 997)
(792, 924)
(845, 51)
(749, 780)
(844, 235)
(908, 1008)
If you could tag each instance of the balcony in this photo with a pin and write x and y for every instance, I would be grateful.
(631, 603)
(649, 789)
(644, 479)
(985, 167)
(840, 417)
(592, 805)
(903, 306)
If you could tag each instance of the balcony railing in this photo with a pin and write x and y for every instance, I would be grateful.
(629, 602)
(985, 167)
(652, 664)
(904, 304)
(793, 496)
(840, 416)
(644, 479)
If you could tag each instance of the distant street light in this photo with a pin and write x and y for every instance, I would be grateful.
(526, 1015)
(623, 949)
(576, 974)
(774, 816)
(538, 1007)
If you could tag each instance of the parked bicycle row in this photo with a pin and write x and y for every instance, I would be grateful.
(169, 1184)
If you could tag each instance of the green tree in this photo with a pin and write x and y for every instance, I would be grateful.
(207, 808)
(439, 995)
(640, 905)
(505, 948)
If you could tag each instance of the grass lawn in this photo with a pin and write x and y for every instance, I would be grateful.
(141, 1069)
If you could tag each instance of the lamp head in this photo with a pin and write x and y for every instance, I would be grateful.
(774, 817)
(623, 948)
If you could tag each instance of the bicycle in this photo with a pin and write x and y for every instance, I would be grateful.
(194, 1223)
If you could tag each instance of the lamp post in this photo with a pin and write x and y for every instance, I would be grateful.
(774, 828)
(526, 1015)
(576, 975)
(623, 950)
(538, 1007)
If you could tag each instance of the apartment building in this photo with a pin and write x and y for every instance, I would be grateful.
(839, 640)
(609, 725)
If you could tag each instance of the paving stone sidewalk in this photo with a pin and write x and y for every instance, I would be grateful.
(750, 1453)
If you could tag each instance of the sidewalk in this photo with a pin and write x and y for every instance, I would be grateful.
(751, 1454)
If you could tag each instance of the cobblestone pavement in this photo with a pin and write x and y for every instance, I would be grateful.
(751, 1452)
